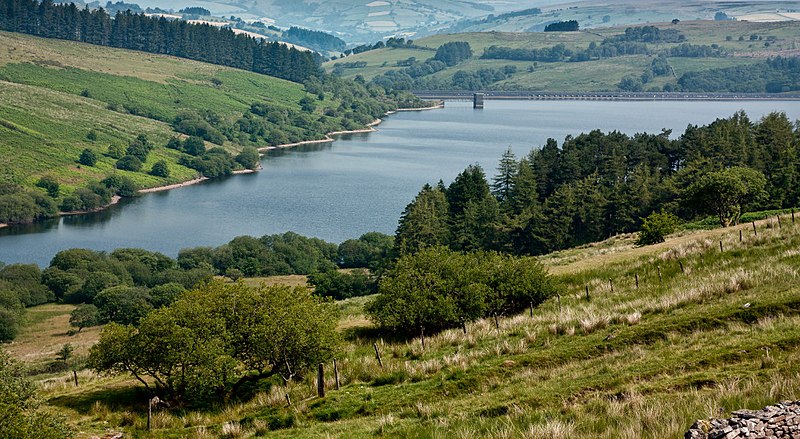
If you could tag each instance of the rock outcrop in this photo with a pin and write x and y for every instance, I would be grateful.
(775, 421)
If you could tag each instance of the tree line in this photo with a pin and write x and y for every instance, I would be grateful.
(599, 184)
(129, 30)
(126, 284)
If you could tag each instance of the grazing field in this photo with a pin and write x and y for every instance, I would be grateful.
(705, 332)
(599, 75)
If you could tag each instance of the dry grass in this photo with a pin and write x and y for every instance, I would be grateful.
(39, 342)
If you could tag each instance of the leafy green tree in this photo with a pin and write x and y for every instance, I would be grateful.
(656, 227)
(122, 304)
(121, 185)
(26, 281)
(248, 158)
(165, 294)
(437, 288)
(220, 336)
(87, 157)
(194, 146)
(49, 184)
(84, 316)
(160, 169)
(20, 416)
(727, 193)
(65, 353)
(339, 285)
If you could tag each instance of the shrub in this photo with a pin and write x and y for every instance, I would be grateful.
(129, 163)
(160, 169)
(87, 157)
(50, 185)
(656, 227)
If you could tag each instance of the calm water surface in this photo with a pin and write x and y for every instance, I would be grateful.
(359, 183)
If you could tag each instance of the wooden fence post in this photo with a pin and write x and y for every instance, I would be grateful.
(611, 284)
(587, 293)
(660, 279)
(720, 247)
(559, 303)
(464, 326)
(377, 354)
(680, 263)
(636, 276)
(792, 215)
(75, 376)
(496, 322)
(531, 309)
(780, 226)
(755, 231)
(321, 380)
(422, 336)
(740, 235)
(336, 373)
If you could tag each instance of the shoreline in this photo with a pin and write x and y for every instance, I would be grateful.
(370, 128)
(191, 182)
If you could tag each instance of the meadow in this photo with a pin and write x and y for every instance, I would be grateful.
(698, 326)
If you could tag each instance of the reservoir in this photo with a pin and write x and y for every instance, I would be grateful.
(361, 182)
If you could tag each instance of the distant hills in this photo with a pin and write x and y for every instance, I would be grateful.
(684, 56)
(363, 21)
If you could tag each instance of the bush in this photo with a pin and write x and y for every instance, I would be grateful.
(160, 169)
(129, 163)
(248, 158)
(87, 157)
(50, 185)
(656, 227)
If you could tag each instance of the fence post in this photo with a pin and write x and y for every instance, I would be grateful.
(740, 235)
(636, 276)
(496, 322)
(660, 279)
(755, 231)
(75, 375)
(377, 354)
(720, 247)
(422, 336)
(680, 263)
(321, 380)
(336, 373)
(792, 215)
(559, 303)
(611, 283)
(780, 226)
(587, 293)
(531, 309)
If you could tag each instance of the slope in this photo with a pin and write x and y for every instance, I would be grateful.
(55, 93)
(670, 333)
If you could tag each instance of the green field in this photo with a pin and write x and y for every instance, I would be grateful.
(631, 362)
(598, 75)
(53, 93)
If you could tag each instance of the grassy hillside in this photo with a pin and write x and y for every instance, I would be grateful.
(55, 92)
(603, 74)
(646, 361)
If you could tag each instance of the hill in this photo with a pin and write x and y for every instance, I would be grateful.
(62, 97)
(670, 333)
(724, 44)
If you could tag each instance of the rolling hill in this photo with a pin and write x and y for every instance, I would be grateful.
(742, 44)
(61, 97)
(670, 333)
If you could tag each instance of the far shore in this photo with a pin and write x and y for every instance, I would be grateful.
(190, 182)
(370, 128)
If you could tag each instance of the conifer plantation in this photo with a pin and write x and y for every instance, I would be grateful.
(157, 35)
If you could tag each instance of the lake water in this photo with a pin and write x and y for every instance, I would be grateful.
(359, 183)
